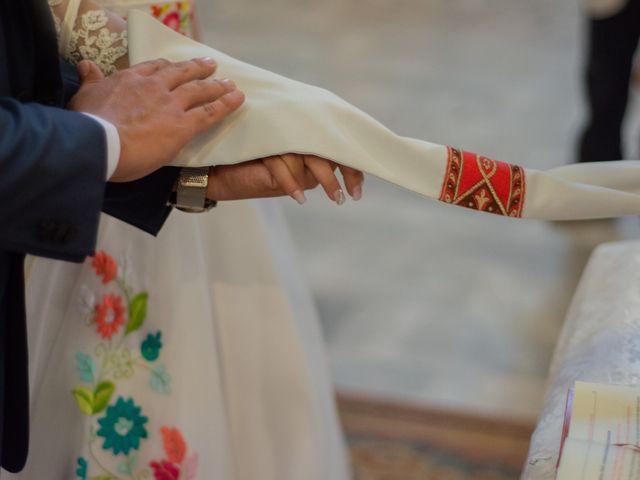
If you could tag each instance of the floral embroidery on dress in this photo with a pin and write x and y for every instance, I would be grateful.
(176, 15)
(109, 316)
(119, 425)
(105, 267)
(122, 427)
(176, 462)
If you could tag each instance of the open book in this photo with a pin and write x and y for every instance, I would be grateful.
(601, 435)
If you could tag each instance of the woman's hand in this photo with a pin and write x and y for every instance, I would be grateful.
(289, 174)
(292, 171)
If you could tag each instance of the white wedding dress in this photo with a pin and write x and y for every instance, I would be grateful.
(193, 355)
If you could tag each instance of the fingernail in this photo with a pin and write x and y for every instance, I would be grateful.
(209, 61)
(339, 197)
(83, 69)
(299, 197)
(357, 192)
(230, 84)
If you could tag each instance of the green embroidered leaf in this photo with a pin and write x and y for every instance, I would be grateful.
(86, 367)
(84, 399)
(137, 312)
(102, 477)
(102, 395)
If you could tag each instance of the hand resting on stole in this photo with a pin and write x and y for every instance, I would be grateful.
(158, 106)
(172, 102)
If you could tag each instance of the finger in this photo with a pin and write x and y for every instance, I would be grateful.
(353, 180)
(199, 92)
(89, 72)
(179, 73)
(283, 176)
(323, 171)
(295, 164)
(203, 117)
(150, 67)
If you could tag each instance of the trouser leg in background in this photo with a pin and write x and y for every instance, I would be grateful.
(612, 42)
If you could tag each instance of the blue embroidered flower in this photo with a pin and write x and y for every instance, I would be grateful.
(122, 427)
(81, 471)
(150, 347)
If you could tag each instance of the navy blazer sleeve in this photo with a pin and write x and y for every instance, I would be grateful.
(142, 203)
(52, 183)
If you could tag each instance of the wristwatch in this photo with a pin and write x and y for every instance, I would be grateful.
(191, 192)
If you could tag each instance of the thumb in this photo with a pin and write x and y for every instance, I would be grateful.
(89, 72)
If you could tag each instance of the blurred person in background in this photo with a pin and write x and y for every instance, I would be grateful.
(613, 29)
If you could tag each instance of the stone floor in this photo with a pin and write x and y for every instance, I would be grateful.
(422, 301)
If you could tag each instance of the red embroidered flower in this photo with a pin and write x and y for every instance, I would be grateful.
(172, 20)
(174, 445)
(109, 315)
(105, 266)
(164, 470)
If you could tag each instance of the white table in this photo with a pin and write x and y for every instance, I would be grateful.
(599, 342)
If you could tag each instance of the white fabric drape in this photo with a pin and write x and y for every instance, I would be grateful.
(282, 115)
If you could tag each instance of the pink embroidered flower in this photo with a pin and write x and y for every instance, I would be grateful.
(105, 266)
(172, 20)
(109, 315)
(164, 470)
(174, 444)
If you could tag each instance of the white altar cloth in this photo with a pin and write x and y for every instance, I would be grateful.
(599, 342)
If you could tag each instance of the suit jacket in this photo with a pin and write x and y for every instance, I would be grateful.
(52, 189)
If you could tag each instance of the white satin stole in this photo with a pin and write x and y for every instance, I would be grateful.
(282, 115)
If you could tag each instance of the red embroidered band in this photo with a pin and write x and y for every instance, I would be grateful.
(483, 184)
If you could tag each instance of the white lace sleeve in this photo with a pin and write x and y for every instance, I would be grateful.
(88, 32)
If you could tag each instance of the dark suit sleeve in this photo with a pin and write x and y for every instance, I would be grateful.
(142, 203)
(52, 183)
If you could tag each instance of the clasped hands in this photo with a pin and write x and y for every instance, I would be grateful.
(158, 106)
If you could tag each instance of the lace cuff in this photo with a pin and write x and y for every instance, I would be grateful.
(88, 32)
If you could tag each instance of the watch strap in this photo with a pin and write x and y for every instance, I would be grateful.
(191, 192)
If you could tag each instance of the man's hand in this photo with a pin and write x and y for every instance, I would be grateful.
(157, 107)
